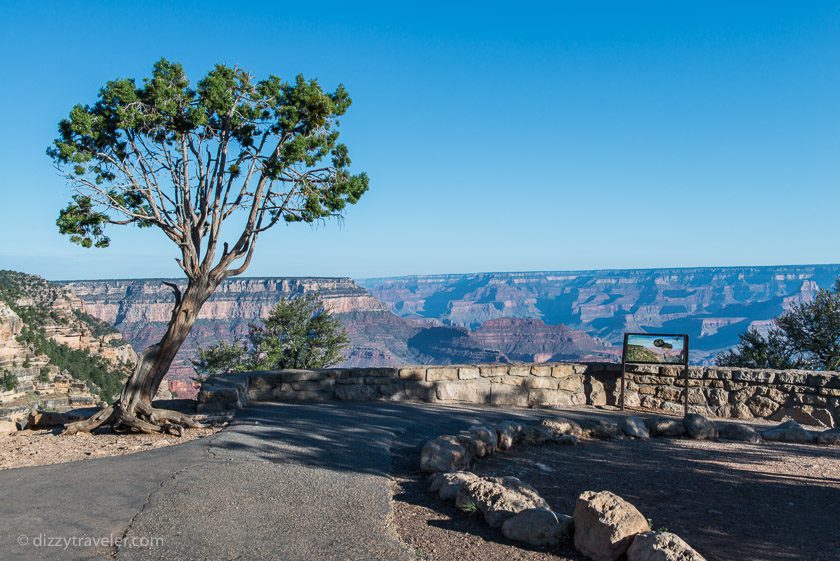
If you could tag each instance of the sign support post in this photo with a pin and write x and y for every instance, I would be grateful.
(685, 377)
(623, 370)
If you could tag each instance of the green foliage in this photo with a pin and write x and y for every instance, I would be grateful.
(97, 328)
(638, 353)
(469, 507)
(221, 358)
(757, 351)
(44, 375)
(109, 149)
(298, 333)
(9, 381)
(81, 364)
(806, 335)
(27, 363)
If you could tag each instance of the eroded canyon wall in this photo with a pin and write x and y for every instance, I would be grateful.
(712, 304)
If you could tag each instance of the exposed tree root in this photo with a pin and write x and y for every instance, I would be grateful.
(101, 418)
(145, 419)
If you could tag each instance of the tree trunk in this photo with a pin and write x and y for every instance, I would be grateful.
(134, 409)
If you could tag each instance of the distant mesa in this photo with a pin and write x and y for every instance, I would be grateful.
(483, 317)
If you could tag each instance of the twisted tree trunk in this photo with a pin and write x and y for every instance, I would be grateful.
(133, 410)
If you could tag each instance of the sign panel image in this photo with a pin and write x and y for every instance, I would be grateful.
(655, 349)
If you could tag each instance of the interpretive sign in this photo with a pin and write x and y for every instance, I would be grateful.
(653, 348)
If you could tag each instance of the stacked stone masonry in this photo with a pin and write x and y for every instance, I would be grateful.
(811, 398)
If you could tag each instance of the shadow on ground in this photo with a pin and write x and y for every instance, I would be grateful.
(731, 501)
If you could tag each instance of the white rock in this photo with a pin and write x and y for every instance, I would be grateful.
(499, 498)
(7, 427)
(561, 426)
(738, 431)
(444, 453)
(789, 431)
(663, 426)
(447, 485)
(635, 427)
(661, 546)
(699, 427)
(508, 433)
(605, 525)
(538, 526)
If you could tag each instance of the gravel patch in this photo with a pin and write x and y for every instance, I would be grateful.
(38, 448)
(730, 501)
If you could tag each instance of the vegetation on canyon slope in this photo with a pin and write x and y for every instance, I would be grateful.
(32, 299)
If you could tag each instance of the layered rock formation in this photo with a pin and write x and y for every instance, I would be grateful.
(712, 304)
(38, 319)
(532, 340)
(140, 309)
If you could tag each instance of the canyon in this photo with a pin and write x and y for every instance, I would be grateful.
(481, 317)
(45, 334)
(713, 305)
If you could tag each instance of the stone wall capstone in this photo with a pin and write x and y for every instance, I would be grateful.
(808, 397)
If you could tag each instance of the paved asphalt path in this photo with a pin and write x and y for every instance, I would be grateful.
(291, 482)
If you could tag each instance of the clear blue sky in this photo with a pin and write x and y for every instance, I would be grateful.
(510, 136)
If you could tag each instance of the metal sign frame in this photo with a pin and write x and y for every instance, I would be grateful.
(684, 364)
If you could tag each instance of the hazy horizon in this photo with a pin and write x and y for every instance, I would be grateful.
(456, 273)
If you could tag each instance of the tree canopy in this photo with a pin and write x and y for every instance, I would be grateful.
(184, 158)
(806, 335)
(298, 333)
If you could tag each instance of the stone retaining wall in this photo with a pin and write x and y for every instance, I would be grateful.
(808, 397)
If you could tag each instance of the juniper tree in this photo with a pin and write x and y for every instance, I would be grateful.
(211, 166)
(806, 335)
(298, 333)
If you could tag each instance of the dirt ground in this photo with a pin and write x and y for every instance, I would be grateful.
(731, 501)
(37, 448)
(29, 448)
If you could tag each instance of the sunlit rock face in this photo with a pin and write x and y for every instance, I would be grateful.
(712, 304)
(140, 309)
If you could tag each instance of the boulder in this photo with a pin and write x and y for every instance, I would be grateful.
(508, 433)
(537, 434)
(40, 420)
(699, 427)
(443, 454)
(487, 438)
(605, 525)
(447, 485)
(603, 430)
(830, 436)
(661, 546)
(635, 427)
(499, 498)
(789, 431)
(664, 426)
(560, 426)
(737, 431)
(538, 526)
(8, 427)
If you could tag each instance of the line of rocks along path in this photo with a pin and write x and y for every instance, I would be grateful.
(292, 482)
